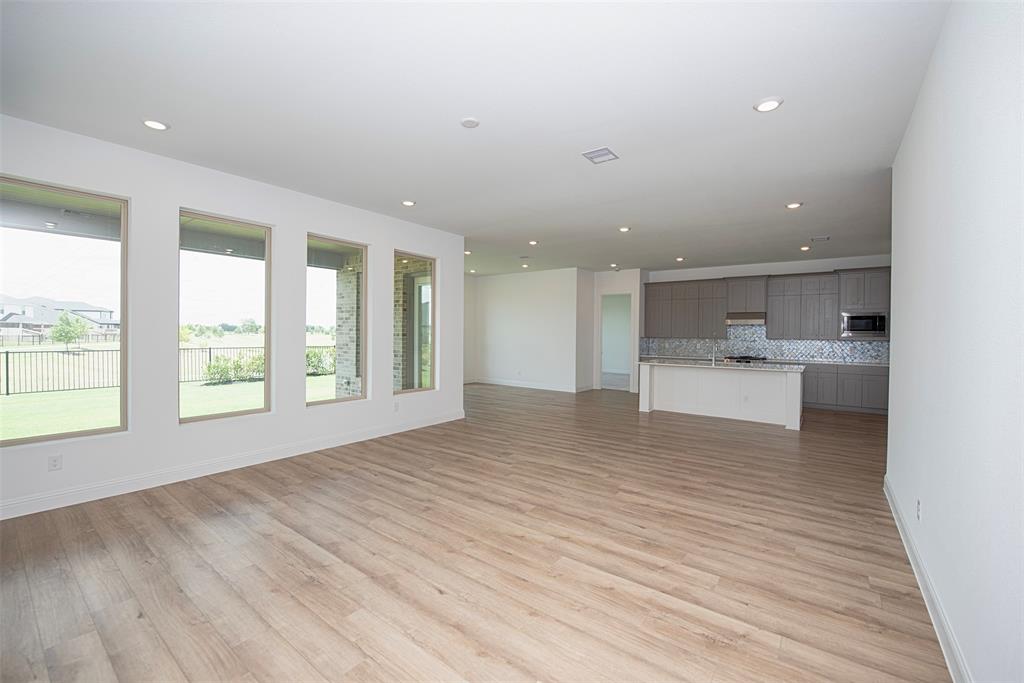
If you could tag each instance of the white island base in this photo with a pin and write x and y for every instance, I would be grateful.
(760, 393)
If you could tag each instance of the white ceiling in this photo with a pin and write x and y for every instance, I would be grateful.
(361, 103)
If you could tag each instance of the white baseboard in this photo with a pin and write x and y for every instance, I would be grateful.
(50, 500)
(525, 385)
(955, 661)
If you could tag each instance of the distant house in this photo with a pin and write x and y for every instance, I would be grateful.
(35, 316)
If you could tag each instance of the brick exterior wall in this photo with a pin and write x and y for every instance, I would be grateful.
(347, 340)
(405, 265)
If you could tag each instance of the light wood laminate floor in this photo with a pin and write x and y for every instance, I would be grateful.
(548, 537)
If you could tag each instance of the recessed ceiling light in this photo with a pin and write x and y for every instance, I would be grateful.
(794, 205)
(467, 252)
(614, 265)
(680, 259)
(526, 265)
(470, 122)
(532, 243)
(805, 248)
(155, 125)
(768, 104)
(408, 202)
(471, 270)
(624, 228)
(50, 224)
(229, 251)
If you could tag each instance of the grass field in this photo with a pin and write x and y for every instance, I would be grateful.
(55, 412)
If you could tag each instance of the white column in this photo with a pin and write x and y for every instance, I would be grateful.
(645, 388)
(794, 399)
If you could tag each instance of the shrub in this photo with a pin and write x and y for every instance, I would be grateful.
(319, 362)
(220, 370)
(251, 368)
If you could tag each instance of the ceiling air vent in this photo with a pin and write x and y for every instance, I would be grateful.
(821, 238)
(599, 156)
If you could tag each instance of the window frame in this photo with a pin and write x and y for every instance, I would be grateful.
(433, 321)
(124, 202)
(267, 275)
(364, 384)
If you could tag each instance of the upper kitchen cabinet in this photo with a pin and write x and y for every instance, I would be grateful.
(864, 290)
(747, 295)
(658, 309)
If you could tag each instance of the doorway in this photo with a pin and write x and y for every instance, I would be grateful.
(615, 342)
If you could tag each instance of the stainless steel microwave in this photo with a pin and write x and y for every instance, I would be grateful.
(858, 325)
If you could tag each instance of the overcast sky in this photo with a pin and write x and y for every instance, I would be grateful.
(214, 288)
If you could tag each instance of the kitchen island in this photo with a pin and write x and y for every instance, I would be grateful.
(758, 392)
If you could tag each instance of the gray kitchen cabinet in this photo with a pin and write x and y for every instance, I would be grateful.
(875, 392)
(737, 296)
(747, 294)
(658, 319)
(658, 310)
(850, 389)
(685, 290)
(864, 290)
(819, 385)
(711, 313)
(810, 314)
(828, 311)
(774, 327)
(791, 309)
(827, 388)
(851, 290)
(685, 318)
(876, 290)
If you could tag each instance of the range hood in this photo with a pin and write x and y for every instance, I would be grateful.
(744, 318)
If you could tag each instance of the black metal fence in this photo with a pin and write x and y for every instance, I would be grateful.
(24, 372)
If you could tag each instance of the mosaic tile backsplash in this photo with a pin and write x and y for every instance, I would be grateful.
(750, 340)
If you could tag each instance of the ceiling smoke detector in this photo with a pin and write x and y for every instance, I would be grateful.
(601, 155)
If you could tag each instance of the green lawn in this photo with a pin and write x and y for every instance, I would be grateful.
(55, 412)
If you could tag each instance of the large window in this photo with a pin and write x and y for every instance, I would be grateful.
(335, 277)
(223, 349)
(62, 303)
(414, 322)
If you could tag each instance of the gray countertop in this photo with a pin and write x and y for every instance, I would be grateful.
(719, 365)
(777, 361)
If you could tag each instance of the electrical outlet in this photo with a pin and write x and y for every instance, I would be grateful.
(919, 509)
(54, 463)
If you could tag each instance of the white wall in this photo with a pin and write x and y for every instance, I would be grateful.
(615, 333)
(469, 350)
(526, 329)
(809, 265)
(585, 358)
(957, 393)
(156, 449)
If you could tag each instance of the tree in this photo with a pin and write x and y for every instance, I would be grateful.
(250, 326)
(69, 329)
(184, 334)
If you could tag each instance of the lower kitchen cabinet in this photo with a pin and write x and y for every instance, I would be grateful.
(875, 393)
(850, 390)
(858, 387)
